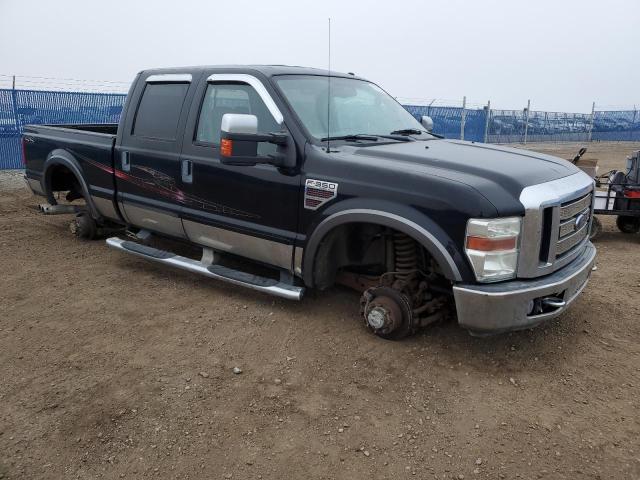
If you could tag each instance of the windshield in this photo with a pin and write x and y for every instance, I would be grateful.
(357, 107)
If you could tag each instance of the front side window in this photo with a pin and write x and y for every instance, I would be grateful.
(356, 106)
(221, 98)
(159, 110)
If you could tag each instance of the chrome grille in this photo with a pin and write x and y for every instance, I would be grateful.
(573, 208)
(544, 247)
(574, 224)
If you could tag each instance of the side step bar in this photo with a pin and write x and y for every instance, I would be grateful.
(236, 277)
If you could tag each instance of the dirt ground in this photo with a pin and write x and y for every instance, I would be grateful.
(112, 367)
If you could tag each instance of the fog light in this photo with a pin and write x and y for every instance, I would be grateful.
(530, 307)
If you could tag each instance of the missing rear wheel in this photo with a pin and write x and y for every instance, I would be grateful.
(85, 227)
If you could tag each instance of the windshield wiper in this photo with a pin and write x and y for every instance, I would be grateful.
(407, 131)
(352, 138)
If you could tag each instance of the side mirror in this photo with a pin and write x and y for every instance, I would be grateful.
(239, 123)
(239, 139)
(427, 123)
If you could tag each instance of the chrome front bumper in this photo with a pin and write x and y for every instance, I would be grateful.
(500, 307)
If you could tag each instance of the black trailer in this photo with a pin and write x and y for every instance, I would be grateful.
(618, 193)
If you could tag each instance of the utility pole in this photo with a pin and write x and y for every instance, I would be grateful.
(526, 121)
(486, 121)
(14, 102)
(463, 117)
(593, 114)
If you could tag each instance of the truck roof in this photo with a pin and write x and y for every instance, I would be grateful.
(267, 70)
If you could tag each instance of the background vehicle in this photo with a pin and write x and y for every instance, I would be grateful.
(316, 188)
(622, 195)
(618, 194)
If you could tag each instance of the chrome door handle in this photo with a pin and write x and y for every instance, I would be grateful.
(125, 161)
(187, 171)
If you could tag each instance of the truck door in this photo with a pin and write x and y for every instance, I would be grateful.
(250, 211)
(147, 163)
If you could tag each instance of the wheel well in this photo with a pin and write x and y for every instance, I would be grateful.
(62, 179)
(363, 248)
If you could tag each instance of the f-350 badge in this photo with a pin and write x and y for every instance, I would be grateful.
(318, 192)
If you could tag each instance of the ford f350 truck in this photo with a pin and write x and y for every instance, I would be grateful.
(321, 178)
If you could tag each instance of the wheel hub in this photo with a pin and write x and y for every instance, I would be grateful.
(377, 318)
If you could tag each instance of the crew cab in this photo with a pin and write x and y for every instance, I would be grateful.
(287, 178)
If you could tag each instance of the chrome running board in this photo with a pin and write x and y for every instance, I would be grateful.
(212, 270)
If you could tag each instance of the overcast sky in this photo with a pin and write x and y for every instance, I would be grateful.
(562, 54)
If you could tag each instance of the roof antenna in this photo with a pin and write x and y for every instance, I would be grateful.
(329, 93)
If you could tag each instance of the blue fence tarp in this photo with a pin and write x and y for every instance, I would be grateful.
(447, 121)
(23, 107)
(622, 125)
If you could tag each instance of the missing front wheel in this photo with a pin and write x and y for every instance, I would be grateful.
(387, 312)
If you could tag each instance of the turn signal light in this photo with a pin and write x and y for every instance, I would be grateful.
(226, 147)
(483, 244)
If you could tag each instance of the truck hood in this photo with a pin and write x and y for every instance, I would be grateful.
(498, 173)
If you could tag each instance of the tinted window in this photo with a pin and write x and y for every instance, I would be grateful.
(159, 110)
(233, 98)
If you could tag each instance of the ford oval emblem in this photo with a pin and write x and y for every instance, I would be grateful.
(581, 221)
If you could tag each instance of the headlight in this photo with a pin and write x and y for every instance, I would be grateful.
(492, 247)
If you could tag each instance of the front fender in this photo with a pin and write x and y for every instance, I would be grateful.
(63, 157)
(399, 217)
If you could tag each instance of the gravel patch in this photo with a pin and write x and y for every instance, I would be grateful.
(11, 180)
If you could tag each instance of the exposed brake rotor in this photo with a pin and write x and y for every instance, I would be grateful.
(387, 312)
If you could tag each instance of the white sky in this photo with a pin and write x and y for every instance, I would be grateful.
(562, 54)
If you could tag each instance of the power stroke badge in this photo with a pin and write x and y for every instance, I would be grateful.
(318, 192)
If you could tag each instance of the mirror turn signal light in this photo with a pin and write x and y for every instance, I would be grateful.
(226, 147)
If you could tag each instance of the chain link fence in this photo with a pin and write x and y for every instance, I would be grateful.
(19, 107)
(620, 125)
(522, 126)
(23, 107)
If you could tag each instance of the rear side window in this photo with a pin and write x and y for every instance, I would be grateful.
(159, 110)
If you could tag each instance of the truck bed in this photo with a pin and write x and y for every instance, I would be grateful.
(87, 149)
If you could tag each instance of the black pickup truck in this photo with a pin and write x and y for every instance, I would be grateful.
(317, 178)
